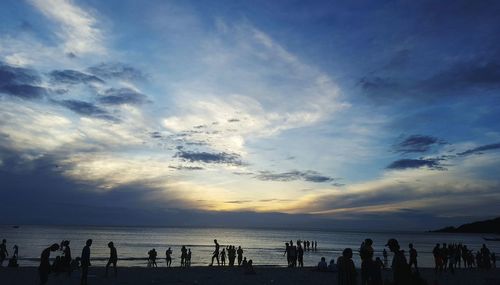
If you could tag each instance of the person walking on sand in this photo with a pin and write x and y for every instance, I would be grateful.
(113, 258)
(400, 269)
(168, 254)
(44, 268)
(240, 255)
(85, 260)
(413, 257)
(215, 254)
(3, 252)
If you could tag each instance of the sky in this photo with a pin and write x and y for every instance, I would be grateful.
(362, 115)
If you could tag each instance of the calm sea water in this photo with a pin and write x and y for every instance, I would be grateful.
(263, 246)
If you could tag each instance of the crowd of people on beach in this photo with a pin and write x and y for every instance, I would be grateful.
(295, 253)
(447, 257)
(452, 256)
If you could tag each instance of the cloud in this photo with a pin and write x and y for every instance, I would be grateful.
(86, 109)
(73, 77)
(77, 27)
(206, 157)
(415, 163)
(117, 70)
(182, 167)
(119, 96)
(309, 176)
(416, 143)
(480, 149)
(476, 73)
(20, 82)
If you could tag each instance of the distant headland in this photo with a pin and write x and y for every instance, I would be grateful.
(489, 226)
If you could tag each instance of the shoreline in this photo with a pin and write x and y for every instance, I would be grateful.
(265, 274)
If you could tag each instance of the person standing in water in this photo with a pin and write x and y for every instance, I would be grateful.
(168, 255)
(113, 258)
(215, 254)
(85, 260)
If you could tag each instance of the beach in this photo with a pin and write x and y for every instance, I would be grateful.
(226, 275)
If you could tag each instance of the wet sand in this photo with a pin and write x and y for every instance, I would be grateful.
(226, 275)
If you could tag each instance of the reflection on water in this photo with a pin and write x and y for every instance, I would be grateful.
(263, 246)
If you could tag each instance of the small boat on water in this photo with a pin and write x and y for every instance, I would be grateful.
(491, 239)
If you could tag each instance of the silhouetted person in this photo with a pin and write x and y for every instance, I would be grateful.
(168, 254)
(413, 257)
(300, 256)
(493, 260)
(384, 254)
(188, 258)
(438, 260)
(66, 259)
(249, 267)
(85, 261)
(366, 254)
(244, 262)
(322, 266)
(376, 272)
(215, 254)
(13, 259)
(44, 268)
(223, 257)
(183, 256)
(3, 251)
(152, 254)
(240, 255)
(287, 253)
(113, 258)
(346, 269)
(315, 245)
(400, 269)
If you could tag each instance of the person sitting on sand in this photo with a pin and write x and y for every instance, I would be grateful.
(332, 267)
(346, 269)
(168, 254)
(85, 260)
(244, 262)
(44, 268)
(249, 268)
(322, 266)
(113, 258)
(215, 254)
(400, 269)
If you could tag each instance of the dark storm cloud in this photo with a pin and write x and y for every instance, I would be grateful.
(416, 143)
(402, 164)
(87, 109)
(309, 176)
(207, 157)
(480, 149)
(119, 96)
(233, 120)
(20, 82)
(117, 70)
(69, 76)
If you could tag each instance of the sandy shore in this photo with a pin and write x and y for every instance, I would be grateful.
(225, 275)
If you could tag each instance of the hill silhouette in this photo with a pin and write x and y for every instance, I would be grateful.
(489, 226)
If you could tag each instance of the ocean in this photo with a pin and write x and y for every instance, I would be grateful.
(263, 246)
